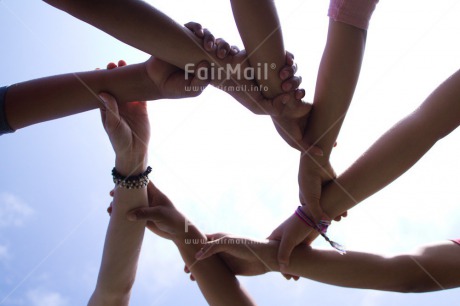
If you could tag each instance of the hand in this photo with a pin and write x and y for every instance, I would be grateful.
(242, 256)
(173, 82)
(314, 172)
(128, 128)
(294, 107)
(162, 216)
(290, 233)
(210, 43)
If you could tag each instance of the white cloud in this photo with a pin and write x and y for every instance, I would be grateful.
(39, 297)
(13, 211)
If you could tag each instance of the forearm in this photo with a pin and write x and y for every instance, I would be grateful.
(123, 240)
(142, 26)
(363, 270)
(337, 78)
(58, 96)
(397, 150)
(260, 30)
(217, 283)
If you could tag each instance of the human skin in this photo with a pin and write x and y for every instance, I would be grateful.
(429, 268)
(136, 23)
(409, 140)
(216, 281)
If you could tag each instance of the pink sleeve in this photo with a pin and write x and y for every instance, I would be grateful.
(457, 241)
(353, 12)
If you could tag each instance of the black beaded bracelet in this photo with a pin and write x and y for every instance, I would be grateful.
(131, 182)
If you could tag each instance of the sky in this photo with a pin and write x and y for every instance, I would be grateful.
(218, 163)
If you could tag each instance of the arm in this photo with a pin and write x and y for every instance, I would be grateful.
(432, 267)
(58, 96)
(136, 23)
(217, 283)
(337, 78)
(260, 30)
(129, 132)
(409, 140)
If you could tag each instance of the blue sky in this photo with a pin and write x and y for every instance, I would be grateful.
(215, 159)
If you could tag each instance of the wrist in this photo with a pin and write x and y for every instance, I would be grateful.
(271, 260)
(132, 164)
(190, 237)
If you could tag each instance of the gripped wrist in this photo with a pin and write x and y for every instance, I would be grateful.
(129, 165)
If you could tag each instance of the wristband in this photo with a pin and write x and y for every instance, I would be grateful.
(131, 182)
(321, 228)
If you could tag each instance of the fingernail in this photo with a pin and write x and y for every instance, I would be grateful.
(319, 153)
(285, 99)
(210, 45)
(103, 99)
(284, 75)
(132, 216)
(288, 86)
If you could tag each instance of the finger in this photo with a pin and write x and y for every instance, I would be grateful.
(291, 84)
(312, 208)
(284, 252)
(112, 192)
(223, 48)
(211, 248)
(109, 113)
(274, 236)
(121, 63)
(289, 58)
(311, 237)
(111, 65)
(287, 72)
(197, 83)
(314, 150)
(196, 28)
(186, 269)
(109, 209)
(338, 218)
(234, 50)
(286, 105)
(209, 41)
(215, 236)
(192, 278)
(289, 276)
(300, 94)
(151, 192)
(146, 213)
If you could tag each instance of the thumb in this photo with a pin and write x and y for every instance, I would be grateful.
(284, 253)
(312, 207)
(109, 113)
(199, 83)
